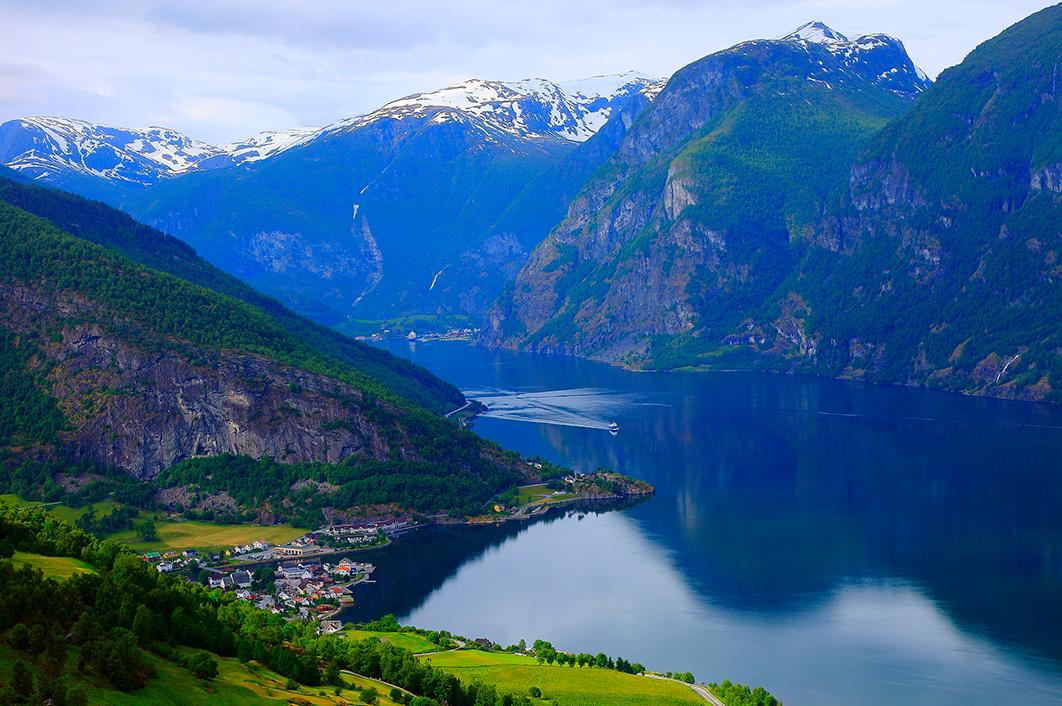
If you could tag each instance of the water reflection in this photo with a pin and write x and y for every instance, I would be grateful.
(842, 543)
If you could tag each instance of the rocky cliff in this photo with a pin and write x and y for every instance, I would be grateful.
(939, 265)
(144, 410)
(695, 216)
(144, 370)
(764, 215)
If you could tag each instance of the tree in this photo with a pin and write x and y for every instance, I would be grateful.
(21, 679)
(19, 637)
(203, 666)
(147, 531)
(143, 625)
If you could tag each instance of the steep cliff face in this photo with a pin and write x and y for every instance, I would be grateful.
(134, 369)
(145, 410)
(102, 225)
(764, 216)
(694, 219)
(940, 266)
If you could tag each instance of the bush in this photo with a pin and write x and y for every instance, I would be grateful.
(203, 666)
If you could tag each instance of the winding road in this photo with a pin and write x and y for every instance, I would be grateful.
(698, 689)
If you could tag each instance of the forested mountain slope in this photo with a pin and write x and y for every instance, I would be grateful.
(119, 366)
(939, 265)
(694, 219)
(113, 229)
(760, 218)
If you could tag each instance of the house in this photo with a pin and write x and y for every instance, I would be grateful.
(152, 556)
(225, 582)
(290, 550)
(165, 567)
(189, 553)
(242, 579)
(330, 626)
(294, 573)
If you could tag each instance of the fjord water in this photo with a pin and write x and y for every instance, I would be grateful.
(838, 543)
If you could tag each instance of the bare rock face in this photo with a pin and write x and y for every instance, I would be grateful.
(144, 410)
(687, 227)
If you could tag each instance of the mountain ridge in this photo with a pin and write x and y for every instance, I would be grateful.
(924, 254)
(692, 217)
(45, 146)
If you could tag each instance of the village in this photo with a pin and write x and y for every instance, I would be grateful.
(291, 579)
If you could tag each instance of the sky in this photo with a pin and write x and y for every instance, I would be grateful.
(226, 69)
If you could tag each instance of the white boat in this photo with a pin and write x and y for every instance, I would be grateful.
(613, 427)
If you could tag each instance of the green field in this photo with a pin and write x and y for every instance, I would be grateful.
(173, 535)
(56, 567)
(539, 494)
(207, 535)
(570, 686)
(406, 640)
(63, 512)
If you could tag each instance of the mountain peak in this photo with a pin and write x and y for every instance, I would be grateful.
(816, 32)
(528, 108)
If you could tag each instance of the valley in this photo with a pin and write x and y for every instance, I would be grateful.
(748, 372)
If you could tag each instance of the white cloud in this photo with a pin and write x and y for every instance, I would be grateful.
(227, 115)
(216, 69)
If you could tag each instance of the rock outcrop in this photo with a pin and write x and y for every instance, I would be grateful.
(144, 410)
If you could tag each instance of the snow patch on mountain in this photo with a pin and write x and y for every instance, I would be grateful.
(887, 54)
(816, 32)
(39, 145)
(532, 108)
(267, 144)
(43, 146)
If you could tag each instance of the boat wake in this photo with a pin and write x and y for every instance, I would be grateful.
(585, 407)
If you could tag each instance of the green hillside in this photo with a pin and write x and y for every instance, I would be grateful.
(103, 225)
(703, 210)
(119, 366)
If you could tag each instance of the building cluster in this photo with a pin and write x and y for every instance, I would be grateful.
(304, 590)
(257, 545)
(172, 561)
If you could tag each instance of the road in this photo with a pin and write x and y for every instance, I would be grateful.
(464, 406)
(460, 646)
(701, 691)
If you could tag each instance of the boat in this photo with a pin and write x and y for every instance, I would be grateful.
(613, 427)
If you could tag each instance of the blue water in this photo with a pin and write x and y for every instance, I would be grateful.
(838, 543)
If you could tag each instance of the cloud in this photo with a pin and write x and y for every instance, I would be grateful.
(227, 115)
(213, 69)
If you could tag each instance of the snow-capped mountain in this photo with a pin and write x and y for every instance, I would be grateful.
(43, 147)
(530, 108)
(86, 157)
(266, 144)
(885, 54)
(51, 148)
